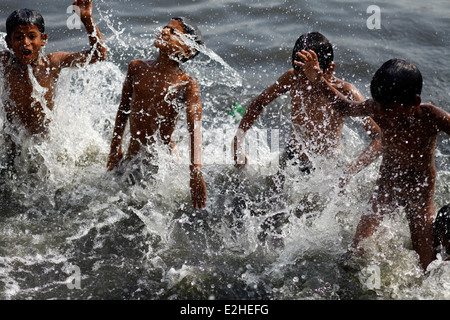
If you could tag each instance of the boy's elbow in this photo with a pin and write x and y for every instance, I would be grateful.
(102, 54)
(340, 106)
(99, 54)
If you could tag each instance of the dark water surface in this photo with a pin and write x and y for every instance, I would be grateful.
(63, 218)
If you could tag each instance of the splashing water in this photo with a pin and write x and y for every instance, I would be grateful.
(143, 240)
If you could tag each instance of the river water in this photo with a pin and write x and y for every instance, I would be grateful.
(71, 230)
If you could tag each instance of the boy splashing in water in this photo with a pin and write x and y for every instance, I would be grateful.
(409, 130)
(317, 127)
(25, 64)
(151, 97)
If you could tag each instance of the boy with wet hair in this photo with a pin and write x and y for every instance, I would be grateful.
(317, 127)
(193, 33)
(23, 17)
(409, 131)
(30, 77)
(154, 94)
(318, 43)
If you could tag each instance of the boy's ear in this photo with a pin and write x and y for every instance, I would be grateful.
(8, 42)
(417, 100)
(44, 38)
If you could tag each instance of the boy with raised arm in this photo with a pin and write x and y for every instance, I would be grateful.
(409, 131)
(154, 94)
(317, 127)
(31, 77)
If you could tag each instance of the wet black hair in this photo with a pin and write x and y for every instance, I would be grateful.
(319, 44)
(24, 17)
(396, 81)
(191, 29)
(441, 225)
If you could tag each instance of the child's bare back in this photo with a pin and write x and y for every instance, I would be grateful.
(409, 131)
(407, 172)
(409, 140)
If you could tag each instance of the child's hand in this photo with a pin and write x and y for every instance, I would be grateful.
(85, 8)
(198, 191)
(240, 158)
(310, 66)
(113, 160)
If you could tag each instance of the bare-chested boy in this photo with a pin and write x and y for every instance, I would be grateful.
(154, 94)
(409, 131)
(317, 127)
(24, 63)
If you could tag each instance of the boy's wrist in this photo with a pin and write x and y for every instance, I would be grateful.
(87, 19)
(195, 170)
(316, 77)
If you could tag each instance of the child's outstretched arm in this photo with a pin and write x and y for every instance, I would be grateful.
(96, 41)
(194, 116)
(255, 108)
(116, 154)
(370, 153)
(98, 50)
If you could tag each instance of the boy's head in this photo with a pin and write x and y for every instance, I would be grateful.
(25, 35)
(396, 81)
(441, 228)
(319, 44)
(24, 17)
(193, 32)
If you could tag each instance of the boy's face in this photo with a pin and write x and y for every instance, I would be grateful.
(26, 42)
(170, 40)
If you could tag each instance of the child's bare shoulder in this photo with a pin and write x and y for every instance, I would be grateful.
(56, 58)
(431, 111)
(433, 117)
(189, 81)
(139, 64)
(428, 107)
(289, 77)
(291, 73)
